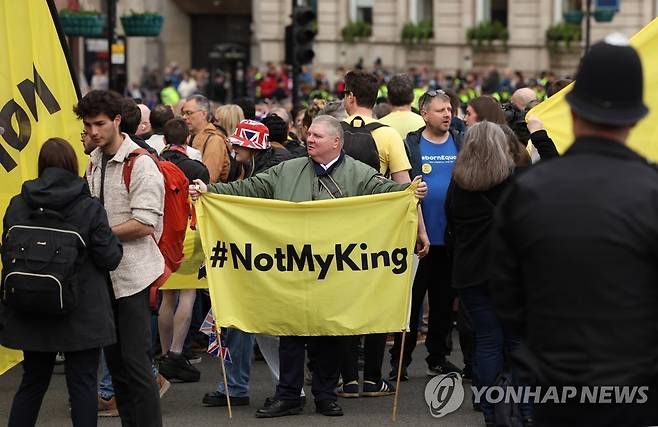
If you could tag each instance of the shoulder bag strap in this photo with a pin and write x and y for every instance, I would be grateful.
(331, 186)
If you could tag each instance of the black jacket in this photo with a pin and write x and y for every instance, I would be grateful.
(265, 159)
(295, 147)
(90, 324)
(575, 266)
(544, 145)
(193, 169)
(412, 145)
(469, 215)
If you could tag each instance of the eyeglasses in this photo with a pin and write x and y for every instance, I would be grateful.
(188, 113)
(344, 93)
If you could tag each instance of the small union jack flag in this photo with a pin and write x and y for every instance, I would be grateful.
(214, 349)
(209, 328)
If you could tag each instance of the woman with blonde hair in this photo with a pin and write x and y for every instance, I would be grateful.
(481, 174)
(227, 118)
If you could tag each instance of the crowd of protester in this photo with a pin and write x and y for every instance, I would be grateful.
(466, 135)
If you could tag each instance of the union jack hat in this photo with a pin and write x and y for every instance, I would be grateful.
(251, 134)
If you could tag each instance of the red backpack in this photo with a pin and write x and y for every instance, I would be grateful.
(176, 215)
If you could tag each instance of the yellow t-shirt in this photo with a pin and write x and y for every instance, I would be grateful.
(403, 122)
(392, 155)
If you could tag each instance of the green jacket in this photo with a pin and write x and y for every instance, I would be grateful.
(296, 181)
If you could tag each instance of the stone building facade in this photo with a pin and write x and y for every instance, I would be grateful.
(196, 30)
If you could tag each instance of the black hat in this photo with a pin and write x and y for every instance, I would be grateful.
(277, 127)
(609, 84)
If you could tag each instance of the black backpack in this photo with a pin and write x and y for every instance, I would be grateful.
(359, 143)
(41, 257)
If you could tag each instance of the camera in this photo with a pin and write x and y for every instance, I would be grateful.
(516, 121)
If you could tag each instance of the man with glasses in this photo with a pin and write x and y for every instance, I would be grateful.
(432, 151)
(215, 152)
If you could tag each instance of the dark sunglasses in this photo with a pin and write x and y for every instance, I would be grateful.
(429, 94)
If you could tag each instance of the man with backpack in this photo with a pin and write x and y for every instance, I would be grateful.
(365, 139)
(176, 307)
(215, 152)
(135, 215)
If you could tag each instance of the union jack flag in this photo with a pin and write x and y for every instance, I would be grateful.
(209, 328)
(214, 349)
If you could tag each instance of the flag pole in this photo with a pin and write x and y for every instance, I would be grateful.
(221, 358)
(397, 382)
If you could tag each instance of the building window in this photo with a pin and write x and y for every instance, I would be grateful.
(421, 10)
(499, 11)
(491, 10)
(361, 10)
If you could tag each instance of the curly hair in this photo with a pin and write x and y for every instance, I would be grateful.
(99, 102)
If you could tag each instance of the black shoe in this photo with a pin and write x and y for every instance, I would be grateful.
(269, 400)
(443, 367)
(393, 375)
(176, 367)
(280, 408)
(192, 357)
(376, 389)
(216, 398)
(328, 408)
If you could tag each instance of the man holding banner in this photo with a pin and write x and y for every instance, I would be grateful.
(327, 174)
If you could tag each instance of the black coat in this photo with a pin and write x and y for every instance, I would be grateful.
(90, 324)
(575, 266)
(470, 215)
(265, 159)
(193, 169)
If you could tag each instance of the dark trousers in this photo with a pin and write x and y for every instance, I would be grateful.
(433, 277)
(492, 343)
(80, 368)
(136, 392)
(374, 346)
(325, 375)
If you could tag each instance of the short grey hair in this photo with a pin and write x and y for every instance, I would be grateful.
(426, 99)
(335, 109)
(332, 124)
(202, 102)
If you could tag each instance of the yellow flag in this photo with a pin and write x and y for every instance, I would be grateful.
(334, 267)
(556, 115)
(37, 94)
(187, 275)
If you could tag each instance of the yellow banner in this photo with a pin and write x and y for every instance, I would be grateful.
(187, 275)
(334, 267)
(37, 94)
(556, 115)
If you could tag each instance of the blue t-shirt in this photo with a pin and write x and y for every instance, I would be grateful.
(437, 162)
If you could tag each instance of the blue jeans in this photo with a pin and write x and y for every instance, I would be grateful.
(105, 387)
(492, 343)
(241, 347)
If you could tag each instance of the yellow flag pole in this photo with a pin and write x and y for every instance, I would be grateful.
(221, 358)
(397, 382)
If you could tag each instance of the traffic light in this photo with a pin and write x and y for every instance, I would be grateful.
(302, 22)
